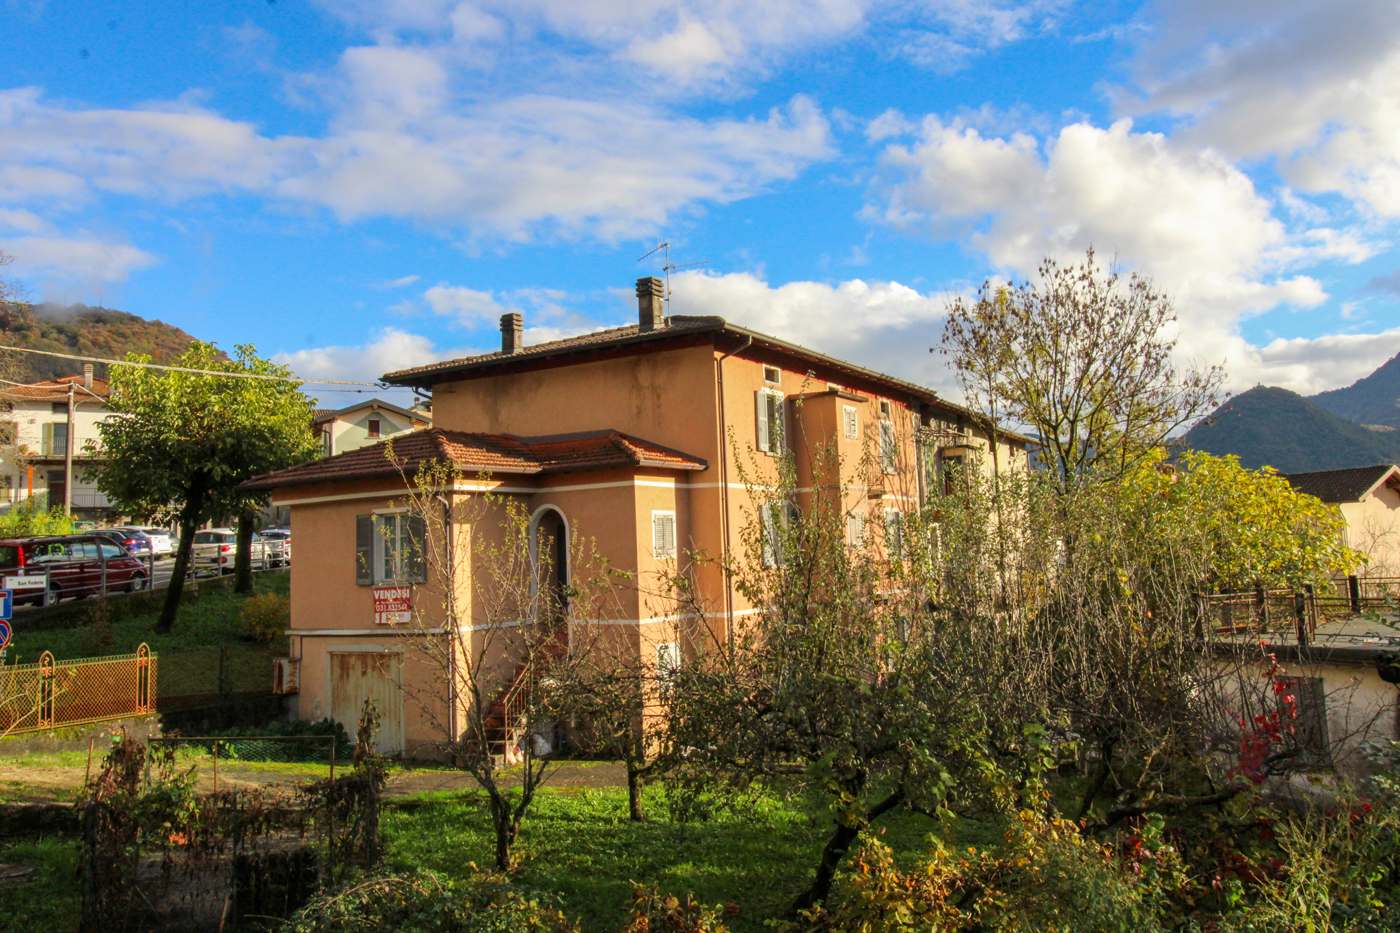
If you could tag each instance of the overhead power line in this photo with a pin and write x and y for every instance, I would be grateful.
(205, 372)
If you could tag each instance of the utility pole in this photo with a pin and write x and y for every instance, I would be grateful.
(68, 456)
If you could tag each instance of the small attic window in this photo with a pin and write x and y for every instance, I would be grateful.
(772, 376)
(884, 409)
(374, 427)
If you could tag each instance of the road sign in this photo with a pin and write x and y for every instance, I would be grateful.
(5, 634)
(37, 581)
(7, 604)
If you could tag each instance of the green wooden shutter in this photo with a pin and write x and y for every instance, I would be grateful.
(364, 550)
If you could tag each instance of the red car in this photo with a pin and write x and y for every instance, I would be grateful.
(76, 565)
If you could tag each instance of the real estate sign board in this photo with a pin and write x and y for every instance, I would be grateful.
(393, 605)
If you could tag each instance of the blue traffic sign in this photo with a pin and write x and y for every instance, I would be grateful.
(7, 603)
(5, 634)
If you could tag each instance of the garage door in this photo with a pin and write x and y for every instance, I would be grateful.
(360, 675)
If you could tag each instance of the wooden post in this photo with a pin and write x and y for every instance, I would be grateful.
(1354, 591)
(1300, 618)
(1261, 606)
(216, 765)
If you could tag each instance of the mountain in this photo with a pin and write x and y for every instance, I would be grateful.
(1373, 400)
(1269, 426)
(83, 331)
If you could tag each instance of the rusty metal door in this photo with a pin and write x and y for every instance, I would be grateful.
(374, 675)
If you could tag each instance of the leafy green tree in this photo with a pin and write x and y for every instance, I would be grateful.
(188, 439)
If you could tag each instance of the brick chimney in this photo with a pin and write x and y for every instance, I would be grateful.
(650, 306)
(512, 333)
(87, 376)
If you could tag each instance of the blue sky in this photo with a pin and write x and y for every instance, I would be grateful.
(355, 187)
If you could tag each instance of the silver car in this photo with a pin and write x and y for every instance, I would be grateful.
(217, 548)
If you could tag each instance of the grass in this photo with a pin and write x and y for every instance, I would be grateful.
(578, 845)
(48, 899)
(212, 620)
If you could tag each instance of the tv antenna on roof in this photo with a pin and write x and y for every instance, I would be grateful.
(664, 248)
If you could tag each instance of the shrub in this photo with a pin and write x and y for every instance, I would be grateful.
(29, 520)
(1045, 877)
(267, 616)
(661, 913)
(430, 903)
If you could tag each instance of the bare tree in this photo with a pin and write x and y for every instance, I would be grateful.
(505, 642)
(1083, 357)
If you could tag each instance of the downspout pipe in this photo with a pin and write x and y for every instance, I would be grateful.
(451, 601)
(724, 489)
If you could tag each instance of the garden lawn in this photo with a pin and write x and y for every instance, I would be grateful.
(210, 620)
(579, 846)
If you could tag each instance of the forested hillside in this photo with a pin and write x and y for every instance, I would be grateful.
(84, 331)
(1373, 400)
(1269, 426)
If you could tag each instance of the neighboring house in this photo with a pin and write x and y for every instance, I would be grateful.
(621, 438)
(1369, 500)
(1342, 680)
(362, 424)
(35, 436)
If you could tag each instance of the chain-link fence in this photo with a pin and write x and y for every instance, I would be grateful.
(209, 754)
(52, 694)
(204, 676)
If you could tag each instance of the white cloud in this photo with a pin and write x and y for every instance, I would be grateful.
(468, 305)
(1316, 85)
(1309, 366)
(884, 326)
(392, 349)
(1184, 215)
(401, 282)
(608, 169)
(82, 261)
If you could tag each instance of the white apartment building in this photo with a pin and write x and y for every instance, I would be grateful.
(35, 435)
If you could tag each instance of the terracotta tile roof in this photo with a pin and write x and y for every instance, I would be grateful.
(1340, 485)
(496, 453)
(676, 326)
(56, 390)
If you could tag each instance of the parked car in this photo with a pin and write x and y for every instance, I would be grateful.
(136, 543)
(162, 539)
(75, 565)
(217, 548)
(279, 545)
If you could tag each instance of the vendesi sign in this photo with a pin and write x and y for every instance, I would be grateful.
(393, 605)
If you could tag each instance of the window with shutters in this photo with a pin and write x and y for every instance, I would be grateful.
(769, 413)
(55, 439)
(663, 535)
(850, 419)
(855, 529)
(390, 547)
(889, 453)
(894, 533)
